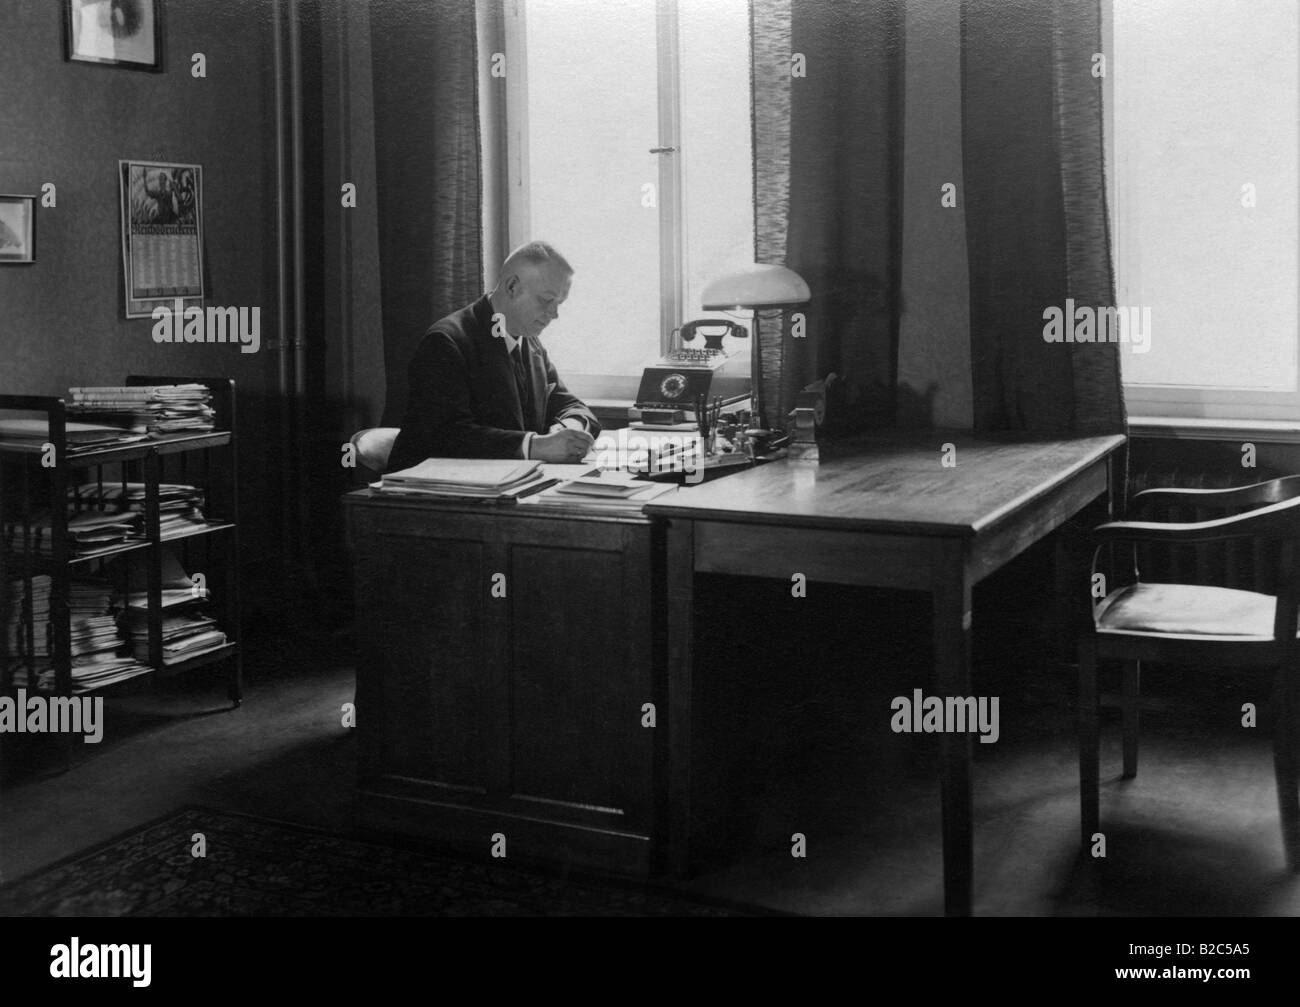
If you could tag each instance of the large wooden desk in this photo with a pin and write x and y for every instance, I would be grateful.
(886, 514)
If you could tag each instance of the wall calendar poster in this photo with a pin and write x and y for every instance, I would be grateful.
(162, 235)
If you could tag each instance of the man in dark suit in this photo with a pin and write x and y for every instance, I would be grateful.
(481, 384)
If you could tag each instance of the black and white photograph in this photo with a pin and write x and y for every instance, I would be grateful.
(17, 229)
(114, 32)
(653, 458)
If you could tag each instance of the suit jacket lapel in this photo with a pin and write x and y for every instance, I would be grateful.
(496, 358)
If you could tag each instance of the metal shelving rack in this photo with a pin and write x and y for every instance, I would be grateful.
(180, 457)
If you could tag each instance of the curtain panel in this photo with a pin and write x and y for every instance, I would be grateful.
(1037, 228)
(427, 163)
(827, 180)
(829, 162)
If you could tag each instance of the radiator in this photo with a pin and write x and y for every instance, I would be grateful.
(1239, 563)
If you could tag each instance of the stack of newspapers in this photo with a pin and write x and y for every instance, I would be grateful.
(88, 532)
(179, 505)
(152, 409)
(92, 618)
(188, 629)
(468, 479)
(96, 639)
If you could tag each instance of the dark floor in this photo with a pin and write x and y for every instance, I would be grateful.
(1196, 833)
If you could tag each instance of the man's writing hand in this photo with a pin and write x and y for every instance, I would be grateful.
(561, 446)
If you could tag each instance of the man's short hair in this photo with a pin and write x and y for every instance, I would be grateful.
(535, 252)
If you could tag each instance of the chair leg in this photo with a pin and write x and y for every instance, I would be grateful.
(1132, 688)
(1286, 763)
(1089, 741)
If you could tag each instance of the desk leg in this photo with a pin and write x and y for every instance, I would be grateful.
(952, 619)
(681, 641)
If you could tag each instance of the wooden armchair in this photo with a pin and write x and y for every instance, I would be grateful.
(1201, 627)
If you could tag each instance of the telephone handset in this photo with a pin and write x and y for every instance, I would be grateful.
(713, 340)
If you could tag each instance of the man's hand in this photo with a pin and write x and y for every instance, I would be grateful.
(561, 446)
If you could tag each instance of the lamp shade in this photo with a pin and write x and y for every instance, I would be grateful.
(756, 286)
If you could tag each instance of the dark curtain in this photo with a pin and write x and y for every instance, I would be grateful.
(828, 170)
(827, 178)
(427, 161)
(1036, 222)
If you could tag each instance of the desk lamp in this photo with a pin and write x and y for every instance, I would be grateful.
(752, 288)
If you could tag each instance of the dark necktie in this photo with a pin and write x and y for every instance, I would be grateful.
(524, 385)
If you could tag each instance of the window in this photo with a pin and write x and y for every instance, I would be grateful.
(595, 88)
(1203, 146)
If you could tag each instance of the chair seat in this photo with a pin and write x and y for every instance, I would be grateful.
(1188, 610)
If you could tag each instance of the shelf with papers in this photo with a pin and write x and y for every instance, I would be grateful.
(126, 512)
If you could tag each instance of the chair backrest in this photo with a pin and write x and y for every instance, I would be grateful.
(373, 445)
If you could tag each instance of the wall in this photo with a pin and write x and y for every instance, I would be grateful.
(61, 319)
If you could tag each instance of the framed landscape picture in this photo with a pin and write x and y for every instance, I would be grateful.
(17, 229)
(114, 32)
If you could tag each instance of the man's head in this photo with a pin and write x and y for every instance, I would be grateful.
(534, 282)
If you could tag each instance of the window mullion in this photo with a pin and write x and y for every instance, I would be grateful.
(671, 239)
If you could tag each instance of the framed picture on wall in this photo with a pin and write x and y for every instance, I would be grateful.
(114, 32)
(17, 229)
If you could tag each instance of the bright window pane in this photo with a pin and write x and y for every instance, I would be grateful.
(593, 94)
(1206, 102)
(717, 164)
(592, 118)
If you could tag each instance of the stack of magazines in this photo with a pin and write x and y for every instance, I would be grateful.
(152, 409)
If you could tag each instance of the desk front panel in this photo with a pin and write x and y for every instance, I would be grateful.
(505, 662)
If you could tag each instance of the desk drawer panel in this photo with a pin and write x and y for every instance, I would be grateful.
(858, 558)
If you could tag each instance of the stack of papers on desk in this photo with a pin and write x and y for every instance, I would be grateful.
(611, 492)
(472, 478)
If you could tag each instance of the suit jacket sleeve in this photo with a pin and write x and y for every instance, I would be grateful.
(439, 421)
(561, 403)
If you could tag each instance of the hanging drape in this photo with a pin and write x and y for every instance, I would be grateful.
(427, 157)
(827, 155)
(1026, 171)
(1036, 221)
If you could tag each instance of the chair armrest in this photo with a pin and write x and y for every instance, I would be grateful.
(1166, 532)
(1256, 495)
(1278, 520)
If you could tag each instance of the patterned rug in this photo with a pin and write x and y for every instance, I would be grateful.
(258, 867)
